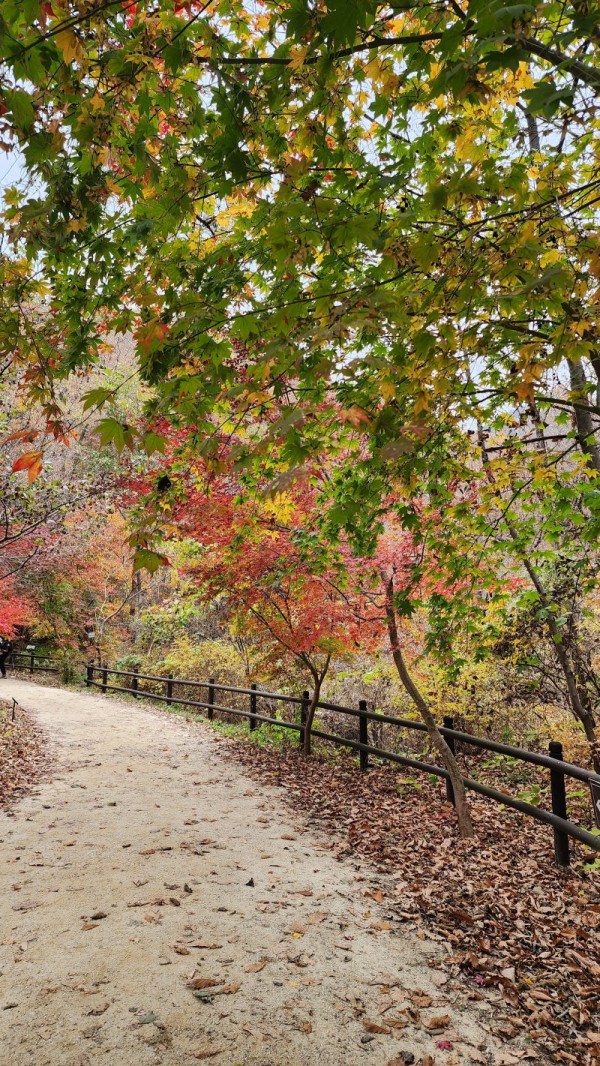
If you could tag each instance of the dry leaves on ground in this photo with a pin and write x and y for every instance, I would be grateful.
(515, 923)
(24, 758)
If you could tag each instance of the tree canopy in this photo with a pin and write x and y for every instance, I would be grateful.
(355, 243)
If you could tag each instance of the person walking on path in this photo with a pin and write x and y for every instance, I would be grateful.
(5, 650)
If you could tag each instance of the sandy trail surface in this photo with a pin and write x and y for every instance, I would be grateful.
(149, 860)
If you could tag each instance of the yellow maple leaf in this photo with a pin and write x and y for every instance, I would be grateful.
(548, 258)
(297, 57)
(70, 46)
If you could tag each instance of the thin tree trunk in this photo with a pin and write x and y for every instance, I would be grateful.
(577, 698)
(584, 421)
(318, 679)
(465, 824)
(577, 695)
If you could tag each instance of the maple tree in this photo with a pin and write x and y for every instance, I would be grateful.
(253, 562)
(15, 611)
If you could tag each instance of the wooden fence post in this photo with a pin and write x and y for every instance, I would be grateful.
(134, 681)
(363, 735)
(169, 689)
(211, 698)
(31, 662)
(89, 677)
(104, 678)
(559, 805)
(449, 724)
(252, 721)
(304, 705)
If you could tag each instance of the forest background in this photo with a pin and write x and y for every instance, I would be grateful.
(300, 373)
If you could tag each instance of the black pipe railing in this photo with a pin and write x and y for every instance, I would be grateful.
(98, 677)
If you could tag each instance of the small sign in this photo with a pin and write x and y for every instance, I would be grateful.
(595, 790)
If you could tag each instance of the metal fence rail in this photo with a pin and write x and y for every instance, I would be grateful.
(98, 677)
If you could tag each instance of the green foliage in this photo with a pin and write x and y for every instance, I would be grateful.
(198, 662)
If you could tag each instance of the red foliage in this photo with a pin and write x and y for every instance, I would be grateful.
(15, 611)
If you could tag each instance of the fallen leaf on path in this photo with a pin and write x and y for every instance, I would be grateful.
(299, 960)
(439, 1021)
(89, 925)
(376, 894)
(256, 967)
(420, 999)
(203, 982)
(373, 1027)
(316, 917)
(209, 1053)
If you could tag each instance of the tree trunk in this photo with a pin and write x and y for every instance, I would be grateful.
(318, 679)
(577, 694)
(465, 824)
(584, 421)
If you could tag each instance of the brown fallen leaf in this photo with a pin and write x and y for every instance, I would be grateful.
(256, 967)
(180, 949)
(90, 925)
(203, 982)
(316, 917)
(98, 916)
(420, 999)
(439, 1021)
(373, 1027)
(228, 990)
(209, 1053)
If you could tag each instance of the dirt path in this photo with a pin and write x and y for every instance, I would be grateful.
(150, 859)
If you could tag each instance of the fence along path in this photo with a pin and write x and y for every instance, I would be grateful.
(98, 677)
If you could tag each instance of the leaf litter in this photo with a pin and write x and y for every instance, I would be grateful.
(516, 925)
